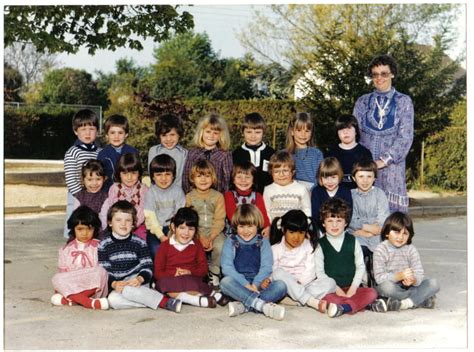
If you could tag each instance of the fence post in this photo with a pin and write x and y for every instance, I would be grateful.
(422, 171)
(274, 136)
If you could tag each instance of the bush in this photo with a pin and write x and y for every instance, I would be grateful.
(37, 133)
(446, 154)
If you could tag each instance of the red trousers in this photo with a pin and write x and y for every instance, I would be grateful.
(363, 297)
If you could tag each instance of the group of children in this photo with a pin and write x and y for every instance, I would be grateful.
(246, 229)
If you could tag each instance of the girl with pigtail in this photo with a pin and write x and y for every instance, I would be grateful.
(294, 238)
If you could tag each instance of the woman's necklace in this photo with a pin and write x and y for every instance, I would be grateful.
(381, 111)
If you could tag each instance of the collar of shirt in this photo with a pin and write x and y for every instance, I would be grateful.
(179, 246)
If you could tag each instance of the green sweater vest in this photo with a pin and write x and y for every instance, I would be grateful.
(339, 265)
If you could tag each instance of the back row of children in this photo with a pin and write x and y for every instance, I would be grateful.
(208, 165)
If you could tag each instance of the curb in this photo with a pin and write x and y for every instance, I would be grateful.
(51, 179)
(442, 210)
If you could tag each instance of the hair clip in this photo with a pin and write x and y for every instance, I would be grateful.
(278, 224)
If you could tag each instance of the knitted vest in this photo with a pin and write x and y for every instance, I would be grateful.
(339, 265)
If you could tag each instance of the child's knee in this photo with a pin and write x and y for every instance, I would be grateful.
(433, 284)
(114, 299)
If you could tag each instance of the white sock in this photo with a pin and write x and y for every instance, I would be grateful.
(216, 295)
(192, 299)
(406, 303)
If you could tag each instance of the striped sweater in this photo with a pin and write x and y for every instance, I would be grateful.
(75, 157)
(125, 257)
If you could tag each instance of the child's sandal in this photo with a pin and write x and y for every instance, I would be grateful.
(211, 301)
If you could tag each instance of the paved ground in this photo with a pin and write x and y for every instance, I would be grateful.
(30, 322)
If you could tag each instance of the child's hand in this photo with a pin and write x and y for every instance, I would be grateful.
(362, 233)
(206, 243)
(351, 291)
(164, 239)
(409, 282)
(408, 274)
(340, 292)
(252, 287)
(265, 283)
(181, 272)
(119, 285)
(135, 282)
(266, 232)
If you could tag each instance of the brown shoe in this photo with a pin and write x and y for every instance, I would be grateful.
(211, 301)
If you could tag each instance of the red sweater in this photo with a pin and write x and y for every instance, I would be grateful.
(231, 205)
(168, 258)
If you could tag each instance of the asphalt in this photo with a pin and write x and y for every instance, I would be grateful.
(31, 322)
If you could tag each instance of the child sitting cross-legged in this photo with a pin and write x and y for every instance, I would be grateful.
(398, 270)
(294, 238)
(126, 258)
(181, 264)
(339, 256)
(247, 266)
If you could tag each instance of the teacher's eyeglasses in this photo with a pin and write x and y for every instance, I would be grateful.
(381, 74)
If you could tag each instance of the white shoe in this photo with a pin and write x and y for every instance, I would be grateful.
(104, 303)
(236, 308)
(56, 299)
(273, 311)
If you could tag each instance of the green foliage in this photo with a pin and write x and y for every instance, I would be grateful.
(66, 28)
(71, 86)
(446, 154)
(330, 47)
(37, 133)
(12, 83)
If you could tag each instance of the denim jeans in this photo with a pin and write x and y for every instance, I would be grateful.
(153, 242)
(250, 299)
(417, 294)
(317, 288)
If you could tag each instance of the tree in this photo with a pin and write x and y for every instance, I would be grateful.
(330, 47)
(66, 28)
(187, 66)
(70, 86)
(12, 83)
(29, 62)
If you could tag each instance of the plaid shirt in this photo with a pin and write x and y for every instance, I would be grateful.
(222, 161)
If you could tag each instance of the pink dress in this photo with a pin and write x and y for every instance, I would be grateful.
(79, 270)
(135, 195)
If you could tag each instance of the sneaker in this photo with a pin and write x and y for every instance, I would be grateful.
(378, 305)
(334, 310)
(429, 303)
(58, 300)
(393, 305)
(236, 308)
(103, 303)
(273, 311)
(173, 305)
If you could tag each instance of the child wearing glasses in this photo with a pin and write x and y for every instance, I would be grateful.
(284, 193)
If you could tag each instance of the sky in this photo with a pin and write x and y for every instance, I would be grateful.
(221, 22)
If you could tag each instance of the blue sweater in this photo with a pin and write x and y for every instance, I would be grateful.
(320, 195)
(109, 157)
(228, 255)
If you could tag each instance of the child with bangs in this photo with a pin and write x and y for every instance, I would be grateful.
(93, 194)
(211, 142)
(284, 194)
(244, 175)
(255, 150)
(169, 130)
(130, 188)
(299, 143)
(162, 200)
(330, 176)
(349, 151)
(210, 206)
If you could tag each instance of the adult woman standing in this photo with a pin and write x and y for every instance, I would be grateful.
(385, 118)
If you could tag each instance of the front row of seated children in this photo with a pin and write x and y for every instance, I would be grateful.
(256, 275)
